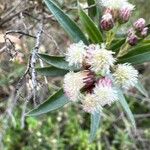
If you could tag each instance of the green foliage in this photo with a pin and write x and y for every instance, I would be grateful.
(126, 107)
(140, 87)
(137, 55)
(59, 66)
(92, 12)
(56, 61)
(69, 26)
(115, 47)
(93, 32)
(51, 71)
(95, 121)
(53, 103)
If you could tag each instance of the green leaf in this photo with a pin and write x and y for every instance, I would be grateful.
(68, 25)
(95, 121)
(115, 47)
(54, 102)
(93, 10)
(51, 71)
(141, 89)
(125, 106)
(137, 55)
(56, 61)
(90, 27)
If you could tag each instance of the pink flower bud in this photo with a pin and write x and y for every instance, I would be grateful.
(130, 32)
(132, 40)
(107, 22)
(125, 14)
(144, 32)
(105, 82)
(139, 24)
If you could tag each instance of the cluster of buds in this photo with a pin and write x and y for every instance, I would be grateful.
(95, 85)
(139, 30)
(115, 10)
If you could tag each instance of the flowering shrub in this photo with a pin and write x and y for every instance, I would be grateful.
(98, 66)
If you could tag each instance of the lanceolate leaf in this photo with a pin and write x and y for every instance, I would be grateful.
(116, 45)
(140, 87)
(93, 10)
(56, 61)
(125, 106)
(55, 102)
(90, 27)
(51, 71)
(137, 55)
(69, 26)
(95, 122)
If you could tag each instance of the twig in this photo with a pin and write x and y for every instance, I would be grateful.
(19, 32)
(2, 49)
(33, 62)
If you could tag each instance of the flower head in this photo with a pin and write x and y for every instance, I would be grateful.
(73, 82)
(125, 76)
(125, 12)
(104, 92)
(139, 24)
(90, 104)
(100, 59)
(76, 53)
(132, 40)
(144, 32)
(107, 22)
(114, 4)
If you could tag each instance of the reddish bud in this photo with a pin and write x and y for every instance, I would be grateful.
(139, 24)
(107, 22)
(132, 40)
(130, 32)
(125, 14)
(89, 81)
(144, 32)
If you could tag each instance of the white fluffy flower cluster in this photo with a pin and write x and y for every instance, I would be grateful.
(98, 57)
(76, 53)
(116, 4)
(73, 82)
(95, 85)
(125, 76)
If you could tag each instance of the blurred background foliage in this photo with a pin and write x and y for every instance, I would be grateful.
(67, 128)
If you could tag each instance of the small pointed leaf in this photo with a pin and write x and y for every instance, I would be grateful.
(56, 61)
(54, 102)
(51, 71)
(93, 32)
(68, 25)
(141, 89)
(115, 47)
(93, 10)
(137, 55)
(125, 106)
(95, 122)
